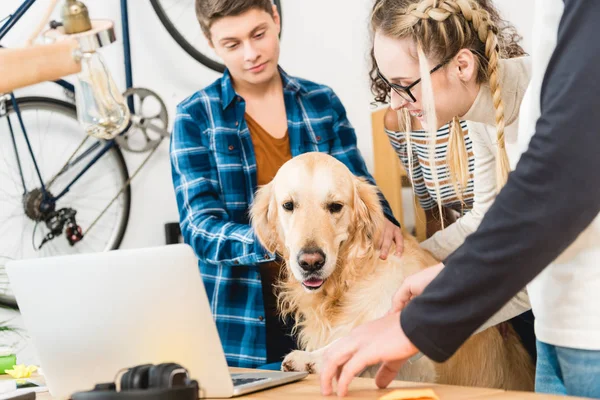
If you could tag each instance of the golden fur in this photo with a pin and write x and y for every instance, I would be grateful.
(358, 285)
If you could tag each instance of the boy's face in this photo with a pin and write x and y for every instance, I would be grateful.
(248, 44)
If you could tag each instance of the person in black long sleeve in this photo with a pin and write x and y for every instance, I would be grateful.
(544, 224)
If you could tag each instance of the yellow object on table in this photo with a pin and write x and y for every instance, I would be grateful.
(405, 394)
(21, 371)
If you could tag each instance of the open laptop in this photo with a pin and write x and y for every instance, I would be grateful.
(91, 315)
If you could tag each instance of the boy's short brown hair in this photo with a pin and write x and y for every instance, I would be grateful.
(208, 11)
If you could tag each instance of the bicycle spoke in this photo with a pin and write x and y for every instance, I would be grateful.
(17, 159)
(103, 226)
(22, 241)
(181, 13)
(10, 170)
(6, 227)
(37, 126)
(7, 195)
(17, 214)
(11, 177)
(86, 181)
(98, 194)
(62, 169)
(43, 139)
(6, 201)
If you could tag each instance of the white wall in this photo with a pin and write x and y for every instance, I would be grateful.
(323, 40)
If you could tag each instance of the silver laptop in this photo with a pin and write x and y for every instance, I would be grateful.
(91, 315)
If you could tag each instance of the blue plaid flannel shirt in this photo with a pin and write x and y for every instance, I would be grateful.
(214, 176)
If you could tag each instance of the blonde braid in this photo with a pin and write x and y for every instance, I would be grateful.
(487, 34)
(458, 159)
(502, 164)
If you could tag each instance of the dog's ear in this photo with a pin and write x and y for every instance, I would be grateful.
(263, 214)
(368, 213)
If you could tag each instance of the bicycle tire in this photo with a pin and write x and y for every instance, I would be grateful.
(187, 46)
(51, 104)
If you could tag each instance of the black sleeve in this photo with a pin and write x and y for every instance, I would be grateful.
(551, 197)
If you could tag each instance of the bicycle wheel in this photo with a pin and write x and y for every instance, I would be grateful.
(56, 136)
(179, 17)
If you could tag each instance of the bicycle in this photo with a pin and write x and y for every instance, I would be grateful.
(77, 196)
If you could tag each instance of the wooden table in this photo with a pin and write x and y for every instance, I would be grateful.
(363, 388)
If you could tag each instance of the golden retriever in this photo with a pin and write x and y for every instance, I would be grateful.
(324, 221)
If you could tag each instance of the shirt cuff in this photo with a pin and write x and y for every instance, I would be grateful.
(261, 255)
(419, 338)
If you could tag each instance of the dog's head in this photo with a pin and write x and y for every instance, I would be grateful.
(314, 213)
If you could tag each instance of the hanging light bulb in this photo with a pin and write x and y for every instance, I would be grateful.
(101, 108)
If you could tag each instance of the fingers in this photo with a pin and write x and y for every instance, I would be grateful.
(387, 372)
(402, 297)
(413, 286)
(399, 239)
(387, 243)
(333, 360)
(353, 367)
(379, 242)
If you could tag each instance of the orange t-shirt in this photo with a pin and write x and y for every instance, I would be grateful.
(270, 153)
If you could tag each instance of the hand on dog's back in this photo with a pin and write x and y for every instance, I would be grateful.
(413, 286)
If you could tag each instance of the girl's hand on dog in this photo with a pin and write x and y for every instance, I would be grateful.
(391, 234)
(413, 286)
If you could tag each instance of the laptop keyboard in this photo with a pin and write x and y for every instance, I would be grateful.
(244, 381)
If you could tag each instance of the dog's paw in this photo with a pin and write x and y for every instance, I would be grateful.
(299, 361)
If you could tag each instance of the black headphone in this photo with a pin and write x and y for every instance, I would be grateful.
(168, 381)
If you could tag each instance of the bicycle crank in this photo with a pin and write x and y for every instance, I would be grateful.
(149, 123)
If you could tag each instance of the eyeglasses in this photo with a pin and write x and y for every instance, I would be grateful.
(404, 91)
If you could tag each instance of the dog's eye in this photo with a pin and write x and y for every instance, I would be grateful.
(288, 206)
(335, 207)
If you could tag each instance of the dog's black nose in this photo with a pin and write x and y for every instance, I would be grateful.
(311, 259)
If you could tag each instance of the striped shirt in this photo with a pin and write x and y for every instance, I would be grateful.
(419, 170)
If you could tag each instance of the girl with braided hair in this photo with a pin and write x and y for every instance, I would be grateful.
(461, 43)
(458, 161)
(454, 202)
(459, 47)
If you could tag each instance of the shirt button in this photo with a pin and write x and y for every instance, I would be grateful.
(237, 123)
(266, 256)
(261, 318)
(318, 138)
(236, 262)
(231, 147)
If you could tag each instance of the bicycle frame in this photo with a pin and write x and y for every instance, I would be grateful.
(49, 200)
